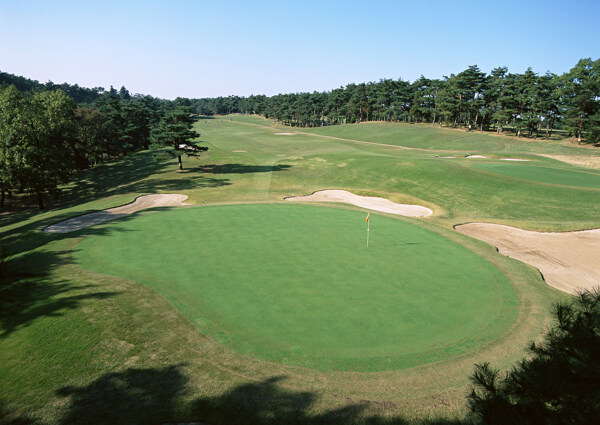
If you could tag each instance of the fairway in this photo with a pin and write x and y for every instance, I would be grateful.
(295, 284)
(541, 174)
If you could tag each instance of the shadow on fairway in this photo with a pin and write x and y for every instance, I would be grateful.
(157, 396)
(239, 168)
(113, 177)
(27, 298)
(28, 289)
(133, 174)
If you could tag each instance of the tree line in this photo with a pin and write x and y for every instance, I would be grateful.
(46, 135)
(526, 104)
(50, 130)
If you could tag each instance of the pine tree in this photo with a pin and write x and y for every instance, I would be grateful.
(171, 137)
(581, 93)
(559, 383)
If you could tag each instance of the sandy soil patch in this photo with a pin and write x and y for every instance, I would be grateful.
(285, 134)
(368, 202)
(475, 156)
(141, 203)
(584, 161)
(567, 261)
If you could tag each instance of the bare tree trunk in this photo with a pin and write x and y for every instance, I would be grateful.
(460, 110)
(2, 199)
(180, 163)
(40, 200)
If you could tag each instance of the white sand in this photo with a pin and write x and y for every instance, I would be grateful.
(285, 134)
(514, 159)
(567, 261)
(141, 203)
(368, 202)
(475, 156)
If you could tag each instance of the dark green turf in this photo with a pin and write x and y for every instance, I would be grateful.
(545, 174)
(296, 284)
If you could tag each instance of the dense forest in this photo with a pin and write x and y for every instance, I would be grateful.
(50, 130)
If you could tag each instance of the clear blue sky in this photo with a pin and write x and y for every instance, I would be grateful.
(217, 48)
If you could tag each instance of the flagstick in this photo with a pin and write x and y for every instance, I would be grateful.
(367, 233)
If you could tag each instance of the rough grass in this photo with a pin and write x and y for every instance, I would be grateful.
(75, 344)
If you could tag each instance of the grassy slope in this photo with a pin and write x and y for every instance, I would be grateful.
(74, 343)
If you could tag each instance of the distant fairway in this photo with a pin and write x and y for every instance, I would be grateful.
(295, 284)
(550, 175)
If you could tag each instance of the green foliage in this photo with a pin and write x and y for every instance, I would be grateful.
(171, 137)
(581, 94)
(10, 136)
(38, 133)
(558, 384)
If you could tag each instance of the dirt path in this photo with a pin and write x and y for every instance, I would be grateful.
(369, 202)
(141, 203)
(567, 261)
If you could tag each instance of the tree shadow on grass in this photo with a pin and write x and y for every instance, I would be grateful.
(164, 185)
(103, 180)
(9, 416)
(162, 396)
(27, 298)
(112, 178)
(28, 288)
(134, 396)
(136, 173)
(239, 168)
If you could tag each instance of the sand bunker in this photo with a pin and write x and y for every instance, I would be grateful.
(141, 203)
(513, 159)
(369, 202)
(285, 134)
(584, 161)
(568, 261)
(475, 156)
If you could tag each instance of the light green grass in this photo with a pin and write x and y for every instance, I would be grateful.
(589, 179)
(426, 136)
(296, 284)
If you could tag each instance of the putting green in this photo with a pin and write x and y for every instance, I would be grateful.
(296, 284)
(545, 174)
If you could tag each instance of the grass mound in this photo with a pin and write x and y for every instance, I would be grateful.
(295, 284)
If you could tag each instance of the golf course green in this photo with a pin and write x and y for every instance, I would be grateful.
(296, 284)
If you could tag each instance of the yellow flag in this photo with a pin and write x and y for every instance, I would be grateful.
(368, 217)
